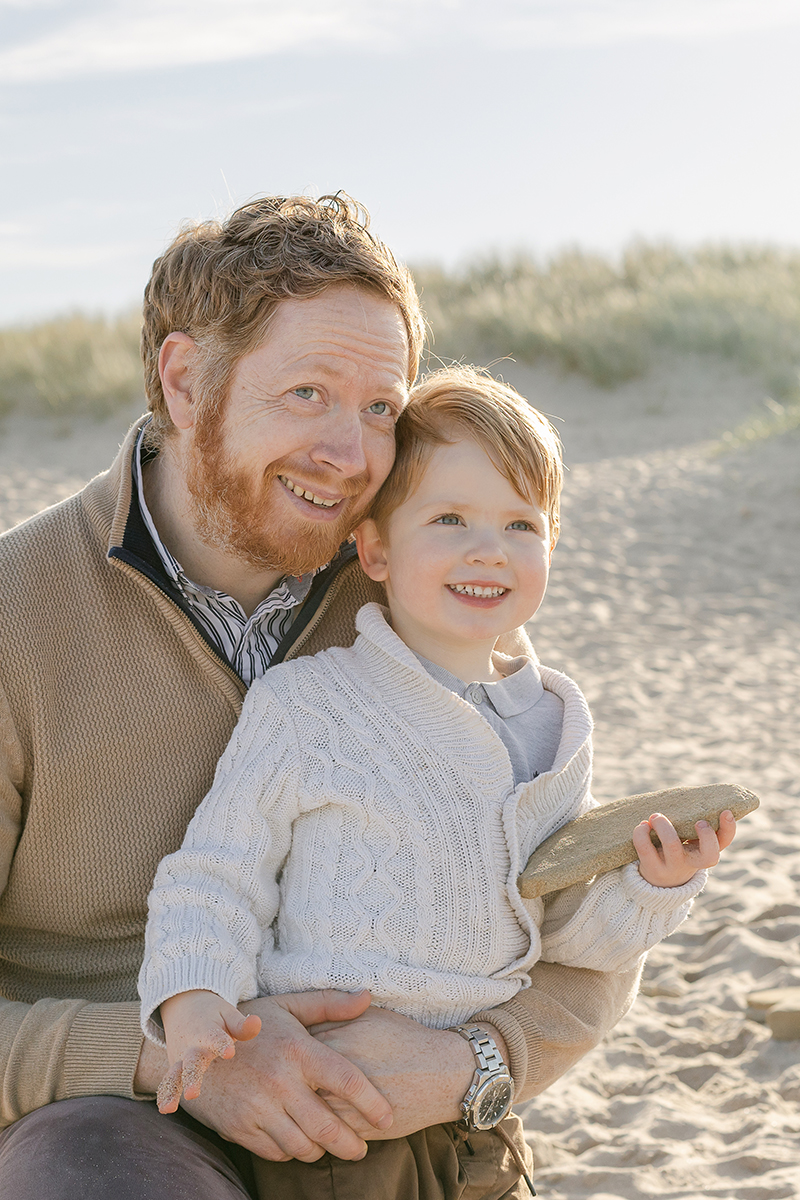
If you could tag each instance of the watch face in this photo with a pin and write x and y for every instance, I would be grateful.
(492, 1103)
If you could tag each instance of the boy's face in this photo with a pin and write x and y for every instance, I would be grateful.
(464, 557)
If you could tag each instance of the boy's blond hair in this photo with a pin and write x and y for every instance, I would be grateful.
(459, 402)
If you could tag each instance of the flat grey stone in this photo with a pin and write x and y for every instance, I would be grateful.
(601, 840)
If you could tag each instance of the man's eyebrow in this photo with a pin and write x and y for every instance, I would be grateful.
(321, 363)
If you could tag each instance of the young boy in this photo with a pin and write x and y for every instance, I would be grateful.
(371, 814)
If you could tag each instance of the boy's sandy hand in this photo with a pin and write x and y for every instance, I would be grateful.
(675, 862)
(199, 1027)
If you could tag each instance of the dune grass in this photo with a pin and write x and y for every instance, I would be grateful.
(604, 319)
(71, 366)
(607, 319)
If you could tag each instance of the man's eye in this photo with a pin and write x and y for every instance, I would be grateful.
(381, 408)
(305, 393)
(448, 519)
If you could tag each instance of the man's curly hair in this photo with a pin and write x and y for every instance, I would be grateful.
(220, 282)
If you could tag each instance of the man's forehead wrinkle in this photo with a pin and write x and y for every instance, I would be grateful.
(362, 341)
(335, 357)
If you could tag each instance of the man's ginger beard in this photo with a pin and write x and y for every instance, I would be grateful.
(233, 509)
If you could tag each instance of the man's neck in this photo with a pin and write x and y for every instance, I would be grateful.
(167, 499)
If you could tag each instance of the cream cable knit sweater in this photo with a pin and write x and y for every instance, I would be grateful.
(363, 830)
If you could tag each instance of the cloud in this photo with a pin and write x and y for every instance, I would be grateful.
(128, 36)
(31, 255)
(76, 38)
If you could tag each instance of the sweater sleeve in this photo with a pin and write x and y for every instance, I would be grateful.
(621, 916)
(550, 1025)
(54, 1049)
(213, 902)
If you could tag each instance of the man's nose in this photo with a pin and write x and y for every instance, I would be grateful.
(341, 446)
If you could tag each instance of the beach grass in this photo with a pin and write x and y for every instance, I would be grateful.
(75, 365)
(605, 318)
(608, 319)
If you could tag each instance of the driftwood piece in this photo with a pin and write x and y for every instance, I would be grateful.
(601, 840)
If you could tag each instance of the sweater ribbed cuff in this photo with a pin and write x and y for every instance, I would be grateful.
(523, 1039)
(660, 899)
(188, 975)
(102, 1052)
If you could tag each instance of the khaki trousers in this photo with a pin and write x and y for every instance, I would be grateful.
(440, 1163)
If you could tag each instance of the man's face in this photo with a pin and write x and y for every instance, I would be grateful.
(306, 436)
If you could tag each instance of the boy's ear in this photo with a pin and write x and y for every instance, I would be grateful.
(371, 551)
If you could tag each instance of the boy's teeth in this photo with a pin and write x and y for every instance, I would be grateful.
(467, 589)
(298, 491)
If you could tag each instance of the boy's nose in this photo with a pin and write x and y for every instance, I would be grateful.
(489, 551)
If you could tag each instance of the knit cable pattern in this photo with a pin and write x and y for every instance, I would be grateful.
(363, 831)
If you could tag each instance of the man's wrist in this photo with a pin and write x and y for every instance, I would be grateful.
(150, 1069)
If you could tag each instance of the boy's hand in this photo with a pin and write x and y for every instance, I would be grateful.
(199, 1027)
(675, 862)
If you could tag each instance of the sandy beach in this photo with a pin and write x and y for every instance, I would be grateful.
(675, 602)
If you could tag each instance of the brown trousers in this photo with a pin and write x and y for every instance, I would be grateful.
(107, 1148)
(439, 1163)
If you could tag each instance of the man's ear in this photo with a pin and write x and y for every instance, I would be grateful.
(371, 551)
(173, 368)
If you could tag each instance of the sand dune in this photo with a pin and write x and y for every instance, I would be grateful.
(675, 601)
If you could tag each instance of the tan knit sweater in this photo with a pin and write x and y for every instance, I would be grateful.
(113, 713)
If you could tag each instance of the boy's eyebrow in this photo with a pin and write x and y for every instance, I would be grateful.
(462, 502)
(527, 507)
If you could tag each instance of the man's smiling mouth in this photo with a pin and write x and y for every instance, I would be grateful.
(305, 495)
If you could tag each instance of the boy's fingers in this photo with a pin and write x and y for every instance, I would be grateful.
(727, 829)
(671, 844)
(707, 845)
(170, 1089)
(243, 1028)
(195, 1065)
(642, 842)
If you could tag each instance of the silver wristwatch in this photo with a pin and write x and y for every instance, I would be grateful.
(491, 1092)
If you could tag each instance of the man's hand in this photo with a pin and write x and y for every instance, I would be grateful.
(424, 1073)
(675, 862)
(266, 1098)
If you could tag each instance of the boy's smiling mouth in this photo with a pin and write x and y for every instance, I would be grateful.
(472, 589)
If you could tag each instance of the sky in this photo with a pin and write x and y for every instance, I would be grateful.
(467, 127)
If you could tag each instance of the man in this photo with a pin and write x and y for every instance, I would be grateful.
(278, 349)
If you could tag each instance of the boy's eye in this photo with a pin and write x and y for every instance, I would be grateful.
(522, 525)
(448, 519)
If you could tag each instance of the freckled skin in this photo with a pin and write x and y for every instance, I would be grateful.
(316, 403)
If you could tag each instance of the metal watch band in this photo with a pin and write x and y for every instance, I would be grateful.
(483, 1046)
(491, 1093)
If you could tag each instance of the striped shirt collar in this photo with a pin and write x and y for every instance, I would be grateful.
(246, 643)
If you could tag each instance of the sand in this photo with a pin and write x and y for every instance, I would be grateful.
(675, 602)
